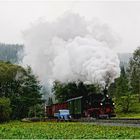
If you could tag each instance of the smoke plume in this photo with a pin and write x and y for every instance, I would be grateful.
(72, 49)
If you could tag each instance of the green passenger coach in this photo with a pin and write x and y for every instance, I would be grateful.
(75, 106)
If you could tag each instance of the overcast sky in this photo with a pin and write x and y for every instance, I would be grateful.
(122, 17)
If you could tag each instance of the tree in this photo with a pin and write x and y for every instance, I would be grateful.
(120, 89)
(5, 109)
(134, 72)
(21, 87)
(10, 79)
(36, 111)
(29, 95)
(122, 84)
(64, 92)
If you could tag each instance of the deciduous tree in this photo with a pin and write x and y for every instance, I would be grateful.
(134, 72)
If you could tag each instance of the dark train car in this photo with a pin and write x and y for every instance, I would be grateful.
(94, 105)
(51, 110)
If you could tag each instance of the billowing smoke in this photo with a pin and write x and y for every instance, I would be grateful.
(72, 49)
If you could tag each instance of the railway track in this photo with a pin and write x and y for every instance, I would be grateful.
(123, 122)
(113, 120)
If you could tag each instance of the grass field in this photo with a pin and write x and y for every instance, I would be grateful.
(48, 130)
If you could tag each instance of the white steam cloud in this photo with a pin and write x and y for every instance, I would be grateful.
(72, 49)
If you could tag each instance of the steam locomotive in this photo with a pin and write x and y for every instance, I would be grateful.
(93, 105)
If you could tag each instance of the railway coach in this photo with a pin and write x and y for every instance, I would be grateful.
(93, 105)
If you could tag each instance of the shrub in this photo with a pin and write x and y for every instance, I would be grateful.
(124, 103)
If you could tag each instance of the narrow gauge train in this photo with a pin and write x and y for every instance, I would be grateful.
(93, 105)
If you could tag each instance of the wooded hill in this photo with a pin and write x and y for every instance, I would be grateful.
(11, 52)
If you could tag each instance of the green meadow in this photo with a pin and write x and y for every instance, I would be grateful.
(65, 130)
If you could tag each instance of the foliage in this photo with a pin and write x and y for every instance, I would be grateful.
(46, 130)
(5, 109)
(20, 86)
(36, 111)
(11, 52)
(29, 95)
(10, 79)
(124, 103)
(126, 88)
(122, 84)
(134, 72)
(64, 92)
(121, 92)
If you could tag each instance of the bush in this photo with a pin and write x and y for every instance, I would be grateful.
(5, 109)
(124, 103)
